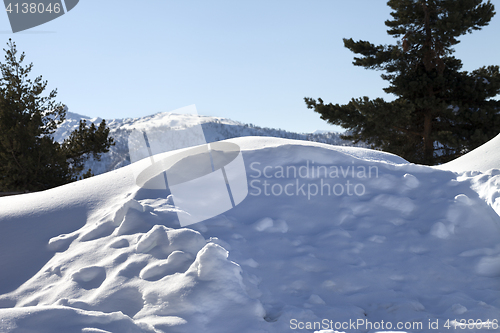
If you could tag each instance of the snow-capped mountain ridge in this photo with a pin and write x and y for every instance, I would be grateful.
(214, 128)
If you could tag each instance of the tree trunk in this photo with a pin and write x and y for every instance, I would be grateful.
(428, 142)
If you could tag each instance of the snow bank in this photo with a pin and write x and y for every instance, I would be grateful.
(327, 236)
(481, 159)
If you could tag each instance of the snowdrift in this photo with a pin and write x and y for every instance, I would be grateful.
(481, 167)
(327, 237)
(481, 159)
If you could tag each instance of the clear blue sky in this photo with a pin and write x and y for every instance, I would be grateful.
(251, 61)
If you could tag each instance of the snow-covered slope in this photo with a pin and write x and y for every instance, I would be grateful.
(481, 159)
(372, 240)
(214, 128)
(482, 168)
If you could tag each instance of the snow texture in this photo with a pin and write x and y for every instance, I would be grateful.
(326, 232)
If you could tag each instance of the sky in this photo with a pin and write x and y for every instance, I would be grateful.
(250, 61)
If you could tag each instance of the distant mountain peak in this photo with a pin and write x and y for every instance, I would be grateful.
(214, 128)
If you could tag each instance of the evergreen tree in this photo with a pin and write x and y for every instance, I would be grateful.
(441, 112)
(30, 159)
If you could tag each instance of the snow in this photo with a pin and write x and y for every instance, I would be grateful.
(176, 124)
(372, 239)
(481, 159)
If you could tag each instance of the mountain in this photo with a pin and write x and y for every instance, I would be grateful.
(214, 128)
(328, 239)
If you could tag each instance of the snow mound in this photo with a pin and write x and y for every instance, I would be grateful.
(481, 168)
(481, 159)
(337, 233)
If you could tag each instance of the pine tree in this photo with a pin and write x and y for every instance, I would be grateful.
(441, 112)
(30, 159)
